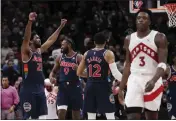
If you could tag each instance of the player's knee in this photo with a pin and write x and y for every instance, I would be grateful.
(61, 114)
(76, 115)
(133, 116)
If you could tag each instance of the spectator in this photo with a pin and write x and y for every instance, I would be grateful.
(9, 100)
(18, 109)
(11, 73)
(5, 50)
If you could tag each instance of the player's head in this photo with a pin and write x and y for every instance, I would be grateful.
(67, 45)
(143, 19)
(48, 85)
(5, 81)
(100, 39)
(35, 40)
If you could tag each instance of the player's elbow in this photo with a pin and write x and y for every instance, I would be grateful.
(115, 72)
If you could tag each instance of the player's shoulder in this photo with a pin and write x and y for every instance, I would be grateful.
(85, 54)
(79, 54)
(160, 34)
(108, 53)
(160, 38)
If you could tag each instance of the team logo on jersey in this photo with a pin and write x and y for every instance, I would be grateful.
(27, 106)
(169, 107)
(111, 99)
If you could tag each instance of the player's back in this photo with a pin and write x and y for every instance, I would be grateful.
(143, 52)
(51, 104)
(33, 77)
(97, 67)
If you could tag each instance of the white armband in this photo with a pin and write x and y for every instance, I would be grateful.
(162, 65)
(115, 72)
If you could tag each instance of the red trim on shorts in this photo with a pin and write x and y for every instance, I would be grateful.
(154, 94)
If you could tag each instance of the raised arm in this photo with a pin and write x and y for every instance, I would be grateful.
(161, 43)
(54, 71)
(53, 37)
(25, 50)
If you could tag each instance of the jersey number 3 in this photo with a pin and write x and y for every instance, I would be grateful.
(142, 61)
(96, 73)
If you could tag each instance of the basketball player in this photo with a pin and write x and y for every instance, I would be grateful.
(51, 95)
(146, 56)
(69, 85)
(171, 74)
(98, 96)
(32, 95)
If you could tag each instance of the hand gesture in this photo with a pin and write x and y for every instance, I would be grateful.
(149, 86)
(121, 97)
(63, 22)
(52, 80)
(11, 109)
(32, 16)
(75, 67)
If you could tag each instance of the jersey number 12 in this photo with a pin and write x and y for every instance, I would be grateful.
(96, 73)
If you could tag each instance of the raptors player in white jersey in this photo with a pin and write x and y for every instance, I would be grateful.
(51, 95)
(146, 56)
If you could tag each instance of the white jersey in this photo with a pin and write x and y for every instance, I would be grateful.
(143, 51)
(51, 104)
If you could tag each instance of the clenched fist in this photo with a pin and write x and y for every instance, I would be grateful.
(32, 16)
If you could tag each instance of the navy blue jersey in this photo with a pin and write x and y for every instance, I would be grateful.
(97, 67)
(67, 72)
(33, 77)
(172, 81)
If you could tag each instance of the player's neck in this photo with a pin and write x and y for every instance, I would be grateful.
(70, 54)
(142, 34)
(34, 49)
(99, 46)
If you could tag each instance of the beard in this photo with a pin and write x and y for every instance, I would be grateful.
(36, 45)
(65, 51)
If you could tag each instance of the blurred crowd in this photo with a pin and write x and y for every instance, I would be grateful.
(85, 18)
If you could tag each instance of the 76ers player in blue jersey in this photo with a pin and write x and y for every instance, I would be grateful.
(33, 99)
(70, 94)
(171, 92)
(98, 95)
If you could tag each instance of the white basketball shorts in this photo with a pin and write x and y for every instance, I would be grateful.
(136, 95)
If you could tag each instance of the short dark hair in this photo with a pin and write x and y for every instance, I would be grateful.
(33, 34)
(100, 38)
(4, 76)
(149, 12)
(69, 40)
